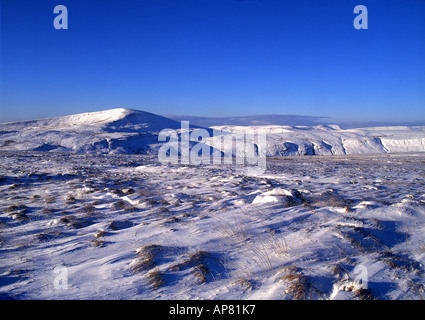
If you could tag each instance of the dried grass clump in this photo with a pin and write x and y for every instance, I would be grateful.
(73, 222)
(198, 262)
(200, 272)
(88, 209)
(119, 205)
(196, 258)
(18, 212)
(146, 257)
(47, 236)
(364, 294)
(245, 283)
(298, 284)
(395, 261)
(120, 224)
(155, 278)
(99, 234)
(70, 200)
(278, 244)
(97, 243)
(332, 199)
(15, 208)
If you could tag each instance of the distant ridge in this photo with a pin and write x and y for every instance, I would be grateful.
(286, 120)
(129, 131)
(253, 120)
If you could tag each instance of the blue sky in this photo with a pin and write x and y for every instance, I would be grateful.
(214, 58)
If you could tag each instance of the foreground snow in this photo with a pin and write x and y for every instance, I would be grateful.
(80, 226)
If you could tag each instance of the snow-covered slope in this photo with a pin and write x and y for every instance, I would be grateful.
(111, 131)
(126, 131)
(331, 139)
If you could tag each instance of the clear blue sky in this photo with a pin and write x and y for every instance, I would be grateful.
(214, 58)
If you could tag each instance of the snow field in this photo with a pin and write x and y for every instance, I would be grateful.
(126, 227)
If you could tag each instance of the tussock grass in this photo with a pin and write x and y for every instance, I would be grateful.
(331, 199)
(155, 278)
(245, 283)
(98, 243)
(198, 262)
(70, 199)
(395, 261)
(48, 211)
(47, 236)
(99, 234)
(263, 259)
(200, 272)
(20, 215)
(196, 258)
(146, 257)
(297, 283)
(16, 208)
(88, 209)
(172, 219)
(120, 224)
(119, 205)
(278, 244)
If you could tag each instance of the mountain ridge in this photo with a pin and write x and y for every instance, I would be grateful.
(130, 131)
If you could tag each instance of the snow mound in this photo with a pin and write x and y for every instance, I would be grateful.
(276, 195)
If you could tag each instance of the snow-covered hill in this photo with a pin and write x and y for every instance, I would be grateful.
(127, 131)
(111, 131)
(331, 139)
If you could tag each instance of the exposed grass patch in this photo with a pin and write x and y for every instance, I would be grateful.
(146, 258)
(120, 224)
(98, 243)
(100, 234)
(196, 258)
(245, 283)
(297, 284)
(70, 199)
(15, 208)
(47, 236)
(200, 272)
(119, 205)
(155, 278)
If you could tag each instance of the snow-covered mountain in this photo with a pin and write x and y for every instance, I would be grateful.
(111, 131)
(127, 131)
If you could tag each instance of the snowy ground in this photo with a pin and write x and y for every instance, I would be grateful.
(80, 226)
